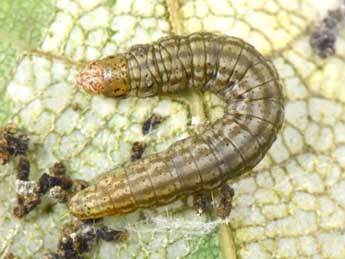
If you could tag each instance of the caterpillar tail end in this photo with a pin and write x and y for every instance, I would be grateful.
(77, 208)
(83, 206)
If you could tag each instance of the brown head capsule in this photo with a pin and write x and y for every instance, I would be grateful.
(227, 66)
(108, 76)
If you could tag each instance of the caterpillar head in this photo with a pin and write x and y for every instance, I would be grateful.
(108, 76)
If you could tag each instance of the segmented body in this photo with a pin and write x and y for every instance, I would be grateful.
(224, 65)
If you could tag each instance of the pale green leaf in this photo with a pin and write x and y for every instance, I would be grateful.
(290, 206)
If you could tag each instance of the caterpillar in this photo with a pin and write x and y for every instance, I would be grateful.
(233, 144)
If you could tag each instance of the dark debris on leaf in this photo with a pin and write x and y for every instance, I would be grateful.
(47, 181)
(109, 234)
(225, 201)
(323, 38)
(75, 106)
(137, 151)
(201, 203)
(56, 183)
(23, 168)
(12, 144)
(50, 255)
(151, 123)
(58, 194)
(80, 237)
(58, 169)
(25, 204)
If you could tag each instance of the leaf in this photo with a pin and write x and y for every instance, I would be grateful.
(290, 206)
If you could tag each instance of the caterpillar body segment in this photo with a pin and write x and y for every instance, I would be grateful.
(224, 65)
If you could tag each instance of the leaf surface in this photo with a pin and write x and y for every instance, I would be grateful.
(290, 206)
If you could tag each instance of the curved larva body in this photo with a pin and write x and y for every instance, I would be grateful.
(224, 65)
